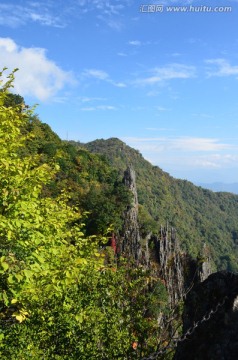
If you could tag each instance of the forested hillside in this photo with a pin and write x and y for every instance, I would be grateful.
(65, 291)
(92, 183)
(199, 215)
(63, 295)
(92, 174)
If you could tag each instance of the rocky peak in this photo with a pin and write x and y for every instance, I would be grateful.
(130, 182)
(130, 235)
(178, 270)
(204, 264)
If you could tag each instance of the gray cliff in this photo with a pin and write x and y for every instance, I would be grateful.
(177, 269)
(130, 235)
(210, 317)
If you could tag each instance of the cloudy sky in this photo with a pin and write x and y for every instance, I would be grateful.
(160, 75)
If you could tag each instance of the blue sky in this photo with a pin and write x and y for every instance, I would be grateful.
(163, 80)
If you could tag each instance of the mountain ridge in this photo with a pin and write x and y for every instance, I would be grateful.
(200, 215)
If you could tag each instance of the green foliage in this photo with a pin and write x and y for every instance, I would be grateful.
(58, 298)
(36, 232)
(147, 223)
(14, 100)
(200, 216)
(93, 184)
(101, 318)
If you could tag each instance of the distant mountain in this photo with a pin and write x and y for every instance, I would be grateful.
(219, 186)
(200, 216)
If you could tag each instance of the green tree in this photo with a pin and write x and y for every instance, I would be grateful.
(58, 299)
(41, 251)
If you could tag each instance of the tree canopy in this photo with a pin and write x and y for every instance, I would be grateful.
(200, 216)
(59, 298)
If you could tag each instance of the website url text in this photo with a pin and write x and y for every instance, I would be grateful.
(201, 8)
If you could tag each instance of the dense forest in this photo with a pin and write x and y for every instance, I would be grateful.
(64, 293)
(199, 215)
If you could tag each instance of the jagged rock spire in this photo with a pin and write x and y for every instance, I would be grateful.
(130, 181)
(130, 239)
(171, 266)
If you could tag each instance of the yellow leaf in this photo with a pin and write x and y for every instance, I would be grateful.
(5, 266)
(21, 315)
(20, 318)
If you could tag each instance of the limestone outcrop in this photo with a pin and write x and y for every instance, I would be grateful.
(177, 269)
(210, 318)
(130, 234)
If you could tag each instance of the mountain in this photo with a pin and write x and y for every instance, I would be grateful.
(219, 186)
(91, 182)
(93, 172)
(90, 243)
(199, 215)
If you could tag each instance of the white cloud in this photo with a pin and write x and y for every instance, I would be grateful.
(203, 115)
(59, 13)
(15, 15)
(113, 24)
(169, 72)
(105, 6)
(161, 108)
(109, 12)
(99, 107)
(37, 76)
(134, 43)
(207, 164)
(216, 160)
(46, 19)
(84, 99)
(97, 74)
(223, 68)
(119, 84)
(106, 107)
(183, 144)
(89, 108)
(184, 155)
(102, 76)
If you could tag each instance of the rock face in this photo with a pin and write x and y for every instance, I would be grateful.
(130, 239)
(171, 264)
(210, 319)
(212, 306)
(204, 268)
(178, 270)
